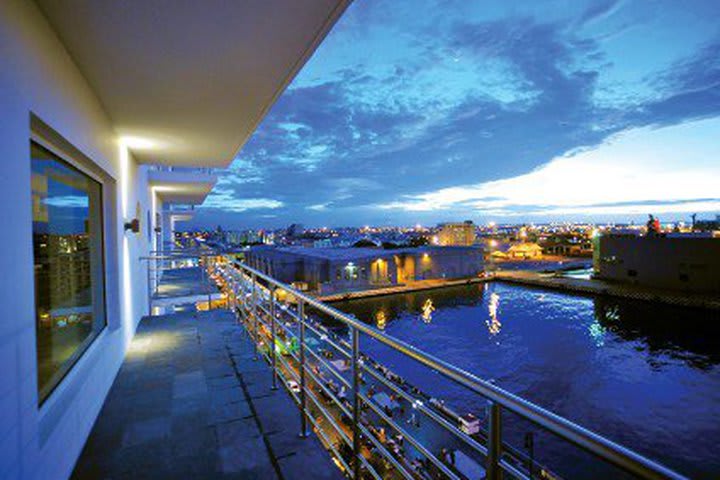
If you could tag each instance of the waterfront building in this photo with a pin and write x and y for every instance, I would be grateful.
(707, 225)
(332, 270)
(569, 245)
(524, 251)
(455, 234)
(687, 262)
(110, 118)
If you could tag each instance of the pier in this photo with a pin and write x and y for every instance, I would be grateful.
(601, 287)
(415, 286)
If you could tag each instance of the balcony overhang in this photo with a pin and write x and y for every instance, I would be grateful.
(190, 81)
(184, 216)
(189, 187)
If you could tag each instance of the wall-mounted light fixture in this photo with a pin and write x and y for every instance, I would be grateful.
(133, 225)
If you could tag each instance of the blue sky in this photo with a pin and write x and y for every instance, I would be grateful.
(415, 111)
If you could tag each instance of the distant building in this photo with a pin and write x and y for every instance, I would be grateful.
(328, 270)
(323, 243)
(707, 225)
(568, 246)
(680, 262)
(525, 251)
(456, 234)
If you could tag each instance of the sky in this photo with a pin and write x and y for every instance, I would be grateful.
(419, 111)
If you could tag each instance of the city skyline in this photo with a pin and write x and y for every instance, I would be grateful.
(591, 111)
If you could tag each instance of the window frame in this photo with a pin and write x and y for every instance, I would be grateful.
(58, 378)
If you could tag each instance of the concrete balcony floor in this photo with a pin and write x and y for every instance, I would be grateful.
(190, 402)
(182, 282)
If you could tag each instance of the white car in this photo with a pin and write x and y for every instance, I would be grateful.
(293, 386)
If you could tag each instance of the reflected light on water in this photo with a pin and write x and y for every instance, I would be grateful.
(616, 366)
(427, 310)
(597, 333)
(493, 324)
(380, 319)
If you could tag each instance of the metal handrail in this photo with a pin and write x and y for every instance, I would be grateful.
(328, 417)
(156, 262)
(593, 443)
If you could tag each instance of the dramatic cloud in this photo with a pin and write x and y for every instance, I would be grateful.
(407, 100)
(226, 201)
(669, 169)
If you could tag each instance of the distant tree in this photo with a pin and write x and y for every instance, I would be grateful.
(418, 242)
(363, 243)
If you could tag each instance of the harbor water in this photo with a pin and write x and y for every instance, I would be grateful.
(646, 376)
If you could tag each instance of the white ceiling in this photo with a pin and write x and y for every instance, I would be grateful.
(181, 193)
(181, 187)
(190, 80)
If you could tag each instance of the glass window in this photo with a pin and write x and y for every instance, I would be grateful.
(67, 245)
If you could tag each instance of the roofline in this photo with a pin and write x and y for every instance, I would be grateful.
(320, 35)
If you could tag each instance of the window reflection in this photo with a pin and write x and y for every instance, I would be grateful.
(67, 245)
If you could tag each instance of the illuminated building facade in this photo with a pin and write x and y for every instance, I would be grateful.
(459, 234)
(330, 270)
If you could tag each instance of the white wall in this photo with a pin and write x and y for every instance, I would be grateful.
(38, 76)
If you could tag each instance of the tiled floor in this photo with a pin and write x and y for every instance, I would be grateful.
(180, 282)
(190, 402)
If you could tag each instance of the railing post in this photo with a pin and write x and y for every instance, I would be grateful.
(356, 401)
(149, 286)
(273, 352)
(254, 315)
(236, 289)
(303, 395)
(494, 471)
(208, 286)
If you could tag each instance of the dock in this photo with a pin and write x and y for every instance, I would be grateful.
(602, 287)
(410, 287)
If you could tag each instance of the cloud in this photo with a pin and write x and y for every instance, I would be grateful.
(407, 101)
(225, 200)
(667, 169)
(599, 10)
(320, 207)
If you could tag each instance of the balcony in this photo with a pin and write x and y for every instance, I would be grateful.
(190, 402)
(181, 185)
(379, 425)
(228, 390)
(178, 280)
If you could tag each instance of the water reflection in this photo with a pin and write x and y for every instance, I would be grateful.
(380, 319)
(622, 368)
(686, 334)
(493, 323)
(597, 333)
(427, 310)
(422, 305)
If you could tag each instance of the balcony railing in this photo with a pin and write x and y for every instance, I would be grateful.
(335, 384)
(174, 276)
